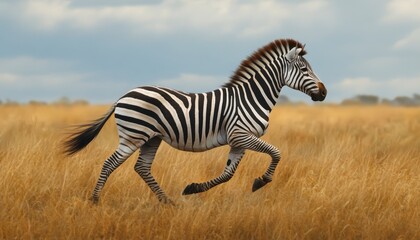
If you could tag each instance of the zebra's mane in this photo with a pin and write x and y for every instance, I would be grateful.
(279, 47)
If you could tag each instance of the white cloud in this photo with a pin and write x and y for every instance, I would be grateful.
(25, 78)
(378, 63)
(350, 87)
(27, 71)
(24, 72)
(253, 18)
(410, 41)
(7, 78)
(403, 11)
(359, 84)
(190, 82)
(31, 64)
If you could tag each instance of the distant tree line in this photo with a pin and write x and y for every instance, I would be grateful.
(373, 100)
(63, 101)
(366, 100)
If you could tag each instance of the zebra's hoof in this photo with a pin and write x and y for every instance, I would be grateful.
(167, 201)
(258, 183)
(94, 200)
(191, 189)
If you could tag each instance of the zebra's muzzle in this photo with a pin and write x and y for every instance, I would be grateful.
(321, 94)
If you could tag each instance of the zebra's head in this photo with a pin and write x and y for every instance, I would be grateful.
(300, 76)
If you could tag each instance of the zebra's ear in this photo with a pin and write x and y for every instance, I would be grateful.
(292, 55)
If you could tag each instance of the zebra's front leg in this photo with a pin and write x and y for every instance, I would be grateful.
(251, 142)
(235, 156)
(143, 168)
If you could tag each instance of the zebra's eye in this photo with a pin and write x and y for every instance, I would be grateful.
(304, 69)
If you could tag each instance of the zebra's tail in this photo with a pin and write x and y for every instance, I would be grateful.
(85, 133)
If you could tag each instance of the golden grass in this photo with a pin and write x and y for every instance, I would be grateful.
(345, 173)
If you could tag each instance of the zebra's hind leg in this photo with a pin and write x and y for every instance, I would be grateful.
(112, 163)
(144, 164)
(235, 156)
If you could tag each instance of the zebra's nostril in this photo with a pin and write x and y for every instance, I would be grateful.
(323, 93)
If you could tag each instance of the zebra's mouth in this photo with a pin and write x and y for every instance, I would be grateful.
(320, 95)
(317, 97)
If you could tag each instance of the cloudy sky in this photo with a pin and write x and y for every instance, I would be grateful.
(99, 49)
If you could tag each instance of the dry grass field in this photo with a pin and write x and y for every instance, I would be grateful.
(346, 173)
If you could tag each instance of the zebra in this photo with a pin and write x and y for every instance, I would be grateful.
(236, 114)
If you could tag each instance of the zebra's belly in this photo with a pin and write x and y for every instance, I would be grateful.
(197, 145)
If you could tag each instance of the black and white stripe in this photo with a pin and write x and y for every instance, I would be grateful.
(236, 114)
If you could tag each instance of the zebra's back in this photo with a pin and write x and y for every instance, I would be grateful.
(186, 121)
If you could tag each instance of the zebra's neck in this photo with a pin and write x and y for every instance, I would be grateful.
(259, 78)
(257, 95)
(260, 84)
